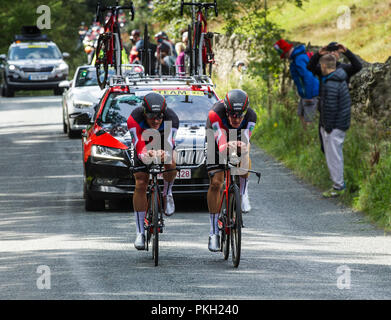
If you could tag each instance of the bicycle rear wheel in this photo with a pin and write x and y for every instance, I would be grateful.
(225, 237)
(196, 46)
(155, 225)
(191, 52)
(101, 62)
(235, 217)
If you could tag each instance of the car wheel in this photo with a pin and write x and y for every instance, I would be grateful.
(64, 125)
(7, 91)
(72, 133)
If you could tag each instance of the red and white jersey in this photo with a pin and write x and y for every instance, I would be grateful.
(167, 130)
(218, 121)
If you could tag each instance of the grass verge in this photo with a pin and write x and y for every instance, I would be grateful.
(367, 151)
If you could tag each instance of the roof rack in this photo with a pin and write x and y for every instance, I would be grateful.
(139, 79)
(31, 33)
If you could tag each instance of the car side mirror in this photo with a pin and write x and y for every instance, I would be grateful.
(3, 56)
(64, 84)
(65, 55)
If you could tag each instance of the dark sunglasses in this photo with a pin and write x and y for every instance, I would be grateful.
(157, 116)
(236, 115)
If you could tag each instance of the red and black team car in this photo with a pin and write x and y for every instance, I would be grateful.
(106, 173)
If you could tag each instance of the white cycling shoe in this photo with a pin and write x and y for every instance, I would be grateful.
(139, 244)
(214, 243)
(169, 205)
(246, 207)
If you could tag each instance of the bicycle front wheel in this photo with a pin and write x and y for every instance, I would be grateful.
(225, 236)
(235, 217)
(155, 225)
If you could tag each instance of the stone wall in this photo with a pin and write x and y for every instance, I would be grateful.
(370, 89)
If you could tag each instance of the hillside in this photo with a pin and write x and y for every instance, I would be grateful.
(316, 22)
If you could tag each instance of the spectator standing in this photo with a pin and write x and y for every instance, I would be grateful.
(180, 60)
(335, 104)
(137, 44)
(306, 83)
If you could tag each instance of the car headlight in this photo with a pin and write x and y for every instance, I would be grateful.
(82, 104)
(62, 67)
(12, 67)
(106, 153)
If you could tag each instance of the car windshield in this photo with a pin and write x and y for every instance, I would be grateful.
(188, 105)
(34, 51)
(87, 77)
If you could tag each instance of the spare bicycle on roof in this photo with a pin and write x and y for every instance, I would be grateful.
(201, 56)
(109, 47)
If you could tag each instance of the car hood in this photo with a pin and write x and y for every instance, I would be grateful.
(90, 93)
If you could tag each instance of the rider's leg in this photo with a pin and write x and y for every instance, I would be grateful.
(140, 205)
(214, 198)
(243, 179)
(169, 178)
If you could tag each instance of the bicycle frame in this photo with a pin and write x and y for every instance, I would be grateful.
(225, 195)
(203, 54)
(112, 31)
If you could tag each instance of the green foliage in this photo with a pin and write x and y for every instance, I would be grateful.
(375, 194)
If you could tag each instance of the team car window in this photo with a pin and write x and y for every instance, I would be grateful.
(118, 108)
(34, 51)
(87, 77)
(188, 105)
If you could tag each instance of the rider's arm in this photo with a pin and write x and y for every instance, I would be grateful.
(172, 122)
(219, 132)
(251, 119)
(136, 133)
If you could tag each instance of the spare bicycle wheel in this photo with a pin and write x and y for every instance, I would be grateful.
(101, 63)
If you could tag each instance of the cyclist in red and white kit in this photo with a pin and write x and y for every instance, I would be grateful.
(153, 114)
(232, 122)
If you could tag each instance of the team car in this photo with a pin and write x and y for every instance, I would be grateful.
(106, 170)
(33, 62)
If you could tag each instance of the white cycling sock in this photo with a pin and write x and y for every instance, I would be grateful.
(243, 185)
(167, 189)
(139, 215)
(214, 228)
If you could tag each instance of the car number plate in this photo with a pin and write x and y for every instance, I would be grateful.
(182, 174)
(38, 77)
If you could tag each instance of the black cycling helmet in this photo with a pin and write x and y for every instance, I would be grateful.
(154, 105)
(236, 102)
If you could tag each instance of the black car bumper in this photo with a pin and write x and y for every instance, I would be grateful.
(112, 180)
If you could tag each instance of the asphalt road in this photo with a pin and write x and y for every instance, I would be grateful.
(296, 245)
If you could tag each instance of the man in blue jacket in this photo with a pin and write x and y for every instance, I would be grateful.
(306, 83)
